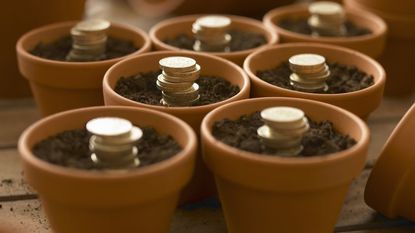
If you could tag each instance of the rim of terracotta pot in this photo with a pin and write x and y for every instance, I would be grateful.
(23, 50)
(383, 194)
(26, 152)
(289, 161)
(392, 19)
(108, 89)
(379, 79)
(272, 38)
(378, 29)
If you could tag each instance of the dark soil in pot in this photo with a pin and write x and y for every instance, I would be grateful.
(240, 41)
(142, 88)
(322, 138)
(301, 26)
(71, 149)
(58, 49)
(343, 78)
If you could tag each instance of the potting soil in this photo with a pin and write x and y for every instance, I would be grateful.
(71, 149)
(343, 78)
(142, 88)
(321, 139)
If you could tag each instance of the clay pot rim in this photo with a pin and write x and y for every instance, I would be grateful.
(172, 110)
(51, 27)
(27, 155)
(378, 83)
(286, 161)
(274, 38)
(376, 32)
(397, 179)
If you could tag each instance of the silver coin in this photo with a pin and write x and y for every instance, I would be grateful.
(282, 114)
(178, 63)
(174, 74)
(213, 21)
(310, 88)
(306, 62)
(93, 25)
(325, 8)
(109, 126)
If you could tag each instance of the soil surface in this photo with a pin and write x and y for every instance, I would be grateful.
(301, 26)
(142, 88)
(58, 49)
(343, 78)
(71, 149)
(240, 41)
(322, 138)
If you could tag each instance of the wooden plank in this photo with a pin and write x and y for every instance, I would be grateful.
(11, 177)
(356, 215)
(200, 220)
(14, 119)
(23, 216)
(380, 132)
(393, 107)
(408, 229)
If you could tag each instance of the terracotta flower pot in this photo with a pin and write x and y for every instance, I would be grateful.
(202, 184)
(371, 44)
(141, 200)
(262, 193)
(397, 57)
(59, 86)
(183, 25)
(30, 15)
(404, 6)
(368, 99)
(390, 188)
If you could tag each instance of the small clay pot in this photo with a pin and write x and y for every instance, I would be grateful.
(83, 201)
(183, 25)
(202, 184)
(398, 54)
(261, 193)
(29, 16)
(390, 188)
(371, 44)
(368, 99)
(59, 85)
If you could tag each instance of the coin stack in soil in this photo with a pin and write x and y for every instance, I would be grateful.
(113, 142)
(177, 81)
(283, 130)
(310, 72)
(327, 19)
(211, 33)
(89, 40)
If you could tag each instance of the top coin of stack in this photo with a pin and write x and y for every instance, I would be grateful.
(310, 72)
(113, 142)
(327, 19)
(211, 33)
(177, 81)
(89, 40)
(283, 130)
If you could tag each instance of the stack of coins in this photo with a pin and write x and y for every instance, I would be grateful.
(89, 40)
(113, 142)
(211, 33)
(283, 130)
(177, 81)
(327, 19)
(310, 72)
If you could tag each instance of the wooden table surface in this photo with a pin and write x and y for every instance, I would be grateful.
(20, 208)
